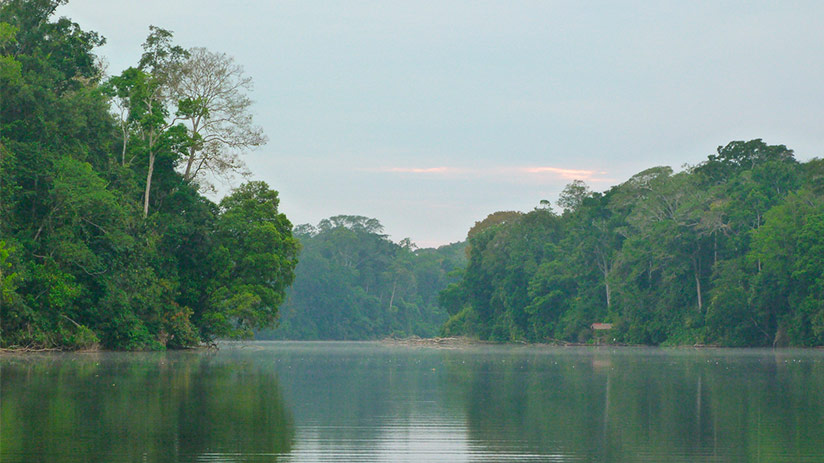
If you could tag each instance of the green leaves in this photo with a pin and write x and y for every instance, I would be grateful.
(354, 283)
(10, 68)
(727, 252)
(88, 267)
(254, 261)
(159, 54)
(8, 278)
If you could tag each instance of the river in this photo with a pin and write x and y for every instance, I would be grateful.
(363, 402)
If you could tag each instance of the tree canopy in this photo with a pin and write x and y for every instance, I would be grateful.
(104, 236)
(727, 252)
(354, 283)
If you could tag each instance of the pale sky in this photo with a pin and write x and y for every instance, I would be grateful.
(430, 115)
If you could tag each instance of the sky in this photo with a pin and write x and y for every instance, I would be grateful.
(430, 115)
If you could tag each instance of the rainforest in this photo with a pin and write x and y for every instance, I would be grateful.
(110, 235)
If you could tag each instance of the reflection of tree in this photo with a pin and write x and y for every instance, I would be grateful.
(140, 407)
(351, 392)
(578, 404)
(597, 405)
(363, 396)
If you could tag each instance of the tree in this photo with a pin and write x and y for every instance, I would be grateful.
(357, 223)
(210, 92)
(144, 92)
(354, 283)
(84, 268)
(191, 104)
(740, 155)
(808, 283)
(573, 195)
(7, 281)
(255, 262)
(154, 77)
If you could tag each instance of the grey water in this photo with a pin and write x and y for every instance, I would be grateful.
(365, 402)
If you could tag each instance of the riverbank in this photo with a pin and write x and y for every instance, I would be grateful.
(464, 341)
(442, 342)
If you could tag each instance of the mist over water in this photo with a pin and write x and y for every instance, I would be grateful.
(311, 402)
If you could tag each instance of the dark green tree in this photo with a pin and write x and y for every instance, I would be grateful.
(255, 259)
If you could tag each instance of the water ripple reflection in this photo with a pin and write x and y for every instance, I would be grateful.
(368, 402)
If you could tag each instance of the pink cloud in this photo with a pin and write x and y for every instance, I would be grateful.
(570, 174)
(535, 172)
(417, 170)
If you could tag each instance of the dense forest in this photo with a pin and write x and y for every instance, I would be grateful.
(354, 283)
(728, 252)
(105, 235)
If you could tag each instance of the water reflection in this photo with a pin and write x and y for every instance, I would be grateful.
(110, 407)
(360, 402)
(646, 405)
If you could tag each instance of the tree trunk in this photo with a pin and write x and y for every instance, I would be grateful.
(151, 168)
(148, 185)
(392, 298)
(605, 266)
(187, 173)
(698, 285)
(125, 134)
(606, 283)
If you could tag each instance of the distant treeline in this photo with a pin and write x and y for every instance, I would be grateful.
(729, 252)
(105, 237)
(354, 283)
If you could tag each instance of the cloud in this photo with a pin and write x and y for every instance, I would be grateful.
(569, 174)
(515, 174)
(417, 170)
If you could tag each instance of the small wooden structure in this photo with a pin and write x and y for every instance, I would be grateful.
(600, 332)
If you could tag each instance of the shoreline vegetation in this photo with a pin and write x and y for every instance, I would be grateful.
(437, 342)
(464, 341)
(108, 241)
(106, 236)
(726, 253)
(729, 252)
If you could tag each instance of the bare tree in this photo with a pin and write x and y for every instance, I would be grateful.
(211, 94)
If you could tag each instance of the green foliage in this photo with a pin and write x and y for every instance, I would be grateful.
(82, 262)
(727, 252)
(257, 256)
(354, 283)
(7, 276)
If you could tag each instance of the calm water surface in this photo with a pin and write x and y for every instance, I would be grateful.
(362, 402)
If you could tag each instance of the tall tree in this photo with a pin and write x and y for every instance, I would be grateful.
(155, 77)
(144, 93)
(211, 94)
